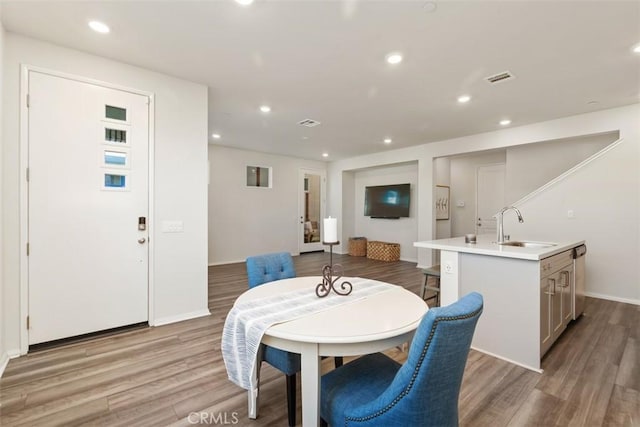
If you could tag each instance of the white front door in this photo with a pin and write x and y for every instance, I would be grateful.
(489, 196)
(87, 193)
(310, 210)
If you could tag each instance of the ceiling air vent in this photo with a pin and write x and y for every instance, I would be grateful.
(309, 123)
(500, 77)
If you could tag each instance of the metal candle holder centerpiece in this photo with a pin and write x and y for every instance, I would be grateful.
(330, 237)
(329, 281)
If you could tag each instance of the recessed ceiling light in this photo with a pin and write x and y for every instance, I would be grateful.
(505, 122)
(387, 141)
(265, 108)
(244, 2)
(464, 98)
(430, 6)
(325, 154)
(216, 136)
(394, 58)
(99, 27)
(636, 48)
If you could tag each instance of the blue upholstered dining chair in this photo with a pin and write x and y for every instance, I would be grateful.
(375, 390)
(268, 268)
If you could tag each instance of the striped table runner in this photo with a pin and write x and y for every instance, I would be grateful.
(247, 321)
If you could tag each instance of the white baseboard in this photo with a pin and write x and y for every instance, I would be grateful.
(211, 264)
(531, 368)
(181, 317)
(5, 357)
(4, 361)
(612, 298)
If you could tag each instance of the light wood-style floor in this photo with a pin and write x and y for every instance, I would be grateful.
(174, 374)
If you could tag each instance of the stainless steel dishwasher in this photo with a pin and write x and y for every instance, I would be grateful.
(579, 253)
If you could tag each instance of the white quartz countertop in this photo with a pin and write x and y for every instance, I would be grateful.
(485, 245)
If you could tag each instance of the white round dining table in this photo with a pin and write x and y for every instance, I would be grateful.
(358, 326)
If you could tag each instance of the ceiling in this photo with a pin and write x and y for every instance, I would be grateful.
(325, 60)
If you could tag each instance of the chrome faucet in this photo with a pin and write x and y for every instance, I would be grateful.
(499, 216)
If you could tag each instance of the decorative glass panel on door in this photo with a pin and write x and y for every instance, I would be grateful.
(312, 219)
(115, 181)
(115, 158)
(115, 135)
(115, 113)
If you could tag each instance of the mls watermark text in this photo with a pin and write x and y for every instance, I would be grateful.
(213, 418)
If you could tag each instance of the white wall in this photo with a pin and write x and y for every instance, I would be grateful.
(533, 165)
(463, 188)
(3, 353)
(605, 201)
(246, 221)
(527, 167)
(442, 171)
(402, 230)
(625, 251)
(347, 224)
(341, 194)
(179, 260)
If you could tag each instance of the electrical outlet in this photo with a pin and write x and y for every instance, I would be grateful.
(448, 268)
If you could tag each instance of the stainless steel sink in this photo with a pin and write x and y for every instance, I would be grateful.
(528, 244)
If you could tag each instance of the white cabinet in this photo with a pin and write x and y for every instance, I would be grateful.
(524, 312)
(555, 297)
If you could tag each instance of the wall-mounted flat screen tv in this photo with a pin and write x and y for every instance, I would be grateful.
(387, 201)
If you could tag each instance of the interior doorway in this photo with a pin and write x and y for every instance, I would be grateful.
(311, 210)
(490, 180)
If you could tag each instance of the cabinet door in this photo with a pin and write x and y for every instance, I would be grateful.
(557, 321)
(565, 294)
(546, 291)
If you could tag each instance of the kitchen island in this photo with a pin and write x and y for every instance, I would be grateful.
(529, 292)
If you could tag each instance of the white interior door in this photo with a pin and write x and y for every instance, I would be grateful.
(489, 196)
(88, 187)
(311, 210)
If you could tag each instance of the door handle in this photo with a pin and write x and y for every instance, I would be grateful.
(551, 282)
(142, 240)
(565, 275)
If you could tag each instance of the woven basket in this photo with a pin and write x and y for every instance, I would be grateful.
(383, 251)
(358, 246)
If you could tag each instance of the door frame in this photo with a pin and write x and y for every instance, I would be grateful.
(478, 167)
(323, 200)
(25, 69)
